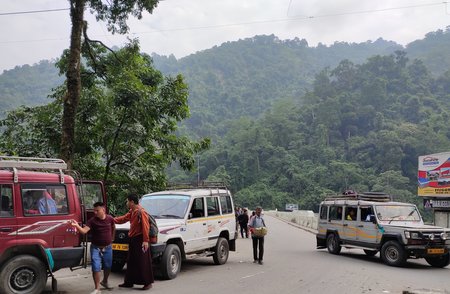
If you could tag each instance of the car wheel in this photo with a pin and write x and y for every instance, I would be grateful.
(221, 252)
(393, 254)
(439, 261)
(370, 252)
(23, 274)
(333, 245)
(171, 262)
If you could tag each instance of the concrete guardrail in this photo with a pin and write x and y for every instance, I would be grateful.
(304, 218)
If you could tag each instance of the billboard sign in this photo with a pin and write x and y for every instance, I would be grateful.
(434, 175)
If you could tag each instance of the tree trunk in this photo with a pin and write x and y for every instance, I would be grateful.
(72, 96)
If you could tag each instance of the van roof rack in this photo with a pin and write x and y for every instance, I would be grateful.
(197, 185)
(32, 163)
(367, 196)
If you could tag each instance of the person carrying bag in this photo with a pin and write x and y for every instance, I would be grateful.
(259, 230)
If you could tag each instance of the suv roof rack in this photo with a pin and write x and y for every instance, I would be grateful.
(368, 196)
(32, 163)
(195, 185)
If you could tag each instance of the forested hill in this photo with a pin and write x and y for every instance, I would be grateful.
(245, 77)
(290, 123)
(237, 78)
(28, 85)
(360, 127)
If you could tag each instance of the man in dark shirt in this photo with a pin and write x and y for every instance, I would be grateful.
(243, 222)
(102, 228)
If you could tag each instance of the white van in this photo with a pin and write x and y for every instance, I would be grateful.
(192, 222)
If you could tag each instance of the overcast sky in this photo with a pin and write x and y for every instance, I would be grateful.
(183, 27)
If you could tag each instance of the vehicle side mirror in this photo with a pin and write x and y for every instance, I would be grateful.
(373, 219)
(190, 215)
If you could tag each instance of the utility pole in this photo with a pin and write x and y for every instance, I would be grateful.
(198, 170)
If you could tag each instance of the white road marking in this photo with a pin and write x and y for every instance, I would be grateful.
(246, 277)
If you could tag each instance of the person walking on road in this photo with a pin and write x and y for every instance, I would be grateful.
(139, 262)
(102, 229)
(257, 221)
(243, 223)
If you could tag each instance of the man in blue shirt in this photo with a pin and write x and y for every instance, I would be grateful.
(257, 221)
(47, 205)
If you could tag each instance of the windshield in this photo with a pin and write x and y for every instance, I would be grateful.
(397, 213)
(166, 206)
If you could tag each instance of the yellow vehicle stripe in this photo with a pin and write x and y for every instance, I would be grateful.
(354, 231)
(202, 219)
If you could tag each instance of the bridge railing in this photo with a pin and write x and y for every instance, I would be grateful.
(303, 218)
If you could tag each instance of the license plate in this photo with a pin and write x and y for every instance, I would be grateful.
(122, 247)
(435, 251)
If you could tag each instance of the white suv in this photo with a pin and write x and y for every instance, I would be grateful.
(374, 223)
(192, 222)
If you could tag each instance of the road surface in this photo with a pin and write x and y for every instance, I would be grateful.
(292, 264)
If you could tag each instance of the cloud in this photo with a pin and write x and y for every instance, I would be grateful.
(183, 27)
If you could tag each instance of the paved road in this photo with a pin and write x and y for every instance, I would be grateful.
(291, 265)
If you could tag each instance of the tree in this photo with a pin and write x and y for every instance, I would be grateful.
(116, 14)
(127, 122)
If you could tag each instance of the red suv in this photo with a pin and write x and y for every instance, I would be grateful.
(38, 197)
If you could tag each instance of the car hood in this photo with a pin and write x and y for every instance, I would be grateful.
(163, 224)
(412, 225)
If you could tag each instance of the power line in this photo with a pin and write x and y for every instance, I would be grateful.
(297, 18)
(33, 11)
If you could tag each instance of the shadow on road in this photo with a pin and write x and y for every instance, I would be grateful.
(357, 255)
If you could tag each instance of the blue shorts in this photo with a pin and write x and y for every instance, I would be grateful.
(101, 258)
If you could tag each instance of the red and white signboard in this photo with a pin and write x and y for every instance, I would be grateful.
(434, 175)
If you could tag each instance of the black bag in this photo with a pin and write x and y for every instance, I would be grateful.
(153, 232)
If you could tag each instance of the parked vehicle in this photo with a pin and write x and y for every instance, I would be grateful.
(374, 223)
(38, 197)
(192, 222)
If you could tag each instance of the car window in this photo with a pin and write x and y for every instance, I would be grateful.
(166, 205)
(225, 204)
(44, 199)
(7, 207)
(351, 213)
(198, 208)
(366, 212)
(212, 204)
(397, 213)
(92, 193)
(335, 212)
(323, 212)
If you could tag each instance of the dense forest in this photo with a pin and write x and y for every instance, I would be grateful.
(290, 123)
(28, 85)
(360, 127)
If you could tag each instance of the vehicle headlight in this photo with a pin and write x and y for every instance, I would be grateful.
(444, 236)
(415, 235)
(412, 235)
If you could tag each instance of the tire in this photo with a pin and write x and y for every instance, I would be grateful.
(439, 261)
(221, 251)
(393, 254)
(23, 274)
(333, 245)
(117, 266)
(370, 252)
(171, 262)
